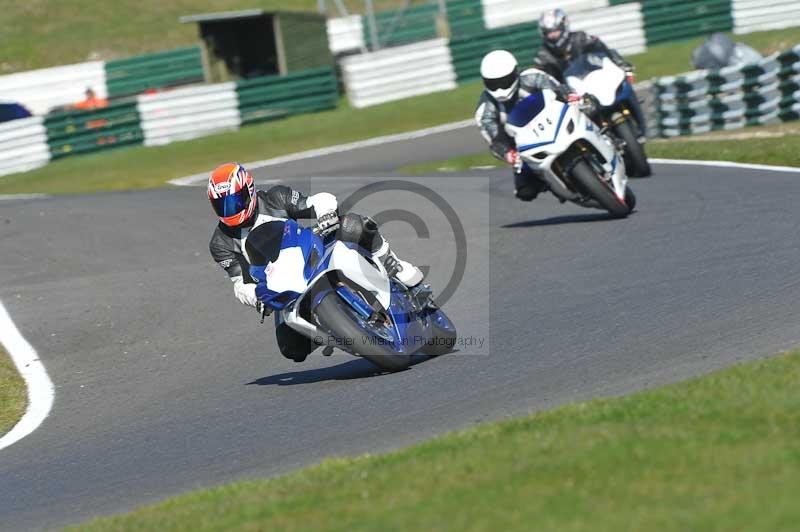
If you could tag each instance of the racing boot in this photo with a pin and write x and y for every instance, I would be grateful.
(401, 270)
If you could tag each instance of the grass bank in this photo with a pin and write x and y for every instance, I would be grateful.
(39, 34)
(720, 452)
(13, 396)
(776, 145)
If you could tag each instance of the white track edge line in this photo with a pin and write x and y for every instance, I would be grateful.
(727, 164)
(11, 197)
(375, 141)
(41, 392)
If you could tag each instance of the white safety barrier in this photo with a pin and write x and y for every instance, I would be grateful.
(23, 145)
(499, 13)
(399, 72)
(620, 27)
(757, 15)
(188, 113)
(345, 34)
(41, 90)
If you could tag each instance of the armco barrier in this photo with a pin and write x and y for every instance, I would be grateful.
(188, 113)
(758, 15)
(468, 51)
(668, 20)
(79, 132)
(413, 24)
(501, 13)
(400, 72)
(160, 70)
(272, 97)
(41, 90)
(465, 17)
(23, 145)
(345, 34)
(621, 27)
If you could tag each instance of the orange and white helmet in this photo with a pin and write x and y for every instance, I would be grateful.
(232, 193)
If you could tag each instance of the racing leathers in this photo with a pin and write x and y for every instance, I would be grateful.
(491, 116)
(228, 247)
(555, 61)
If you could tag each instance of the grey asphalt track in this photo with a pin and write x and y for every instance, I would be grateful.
(164, 383)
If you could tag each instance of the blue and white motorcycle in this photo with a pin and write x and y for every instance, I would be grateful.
(596, 75)
(579, 163)
(335, 294)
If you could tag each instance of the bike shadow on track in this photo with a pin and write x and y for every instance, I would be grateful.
(358, 368)
(563, 220)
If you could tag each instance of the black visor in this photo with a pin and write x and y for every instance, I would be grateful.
(501, 83)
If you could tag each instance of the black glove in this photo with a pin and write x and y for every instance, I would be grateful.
(328, 223)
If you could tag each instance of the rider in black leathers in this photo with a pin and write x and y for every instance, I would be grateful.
(560, 46)
(244, 211)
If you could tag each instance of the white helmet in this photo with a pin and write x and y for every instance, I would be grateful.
(500, 74)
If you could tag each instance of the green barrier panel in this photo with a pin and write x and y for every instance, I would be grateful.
(396, 27)
(521, 40)
(670, 20)
(135, 75)
(272, 97)
(77, 132)
(465, 17)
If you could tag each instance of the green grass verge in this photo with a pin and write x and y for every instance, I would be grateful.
(134, 168)
(776, 145)
(39, 34)
(720, 452)
(13, 396)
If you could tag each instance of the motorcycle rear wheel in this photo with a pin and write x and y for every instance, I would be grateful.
(636, 163)
(340, 320)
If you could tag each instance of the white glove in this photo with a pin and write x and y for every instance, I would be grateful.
(323, 203)
(245, 293)
(325, 206)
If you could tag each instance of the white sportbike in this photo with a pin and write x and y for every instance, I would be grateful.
(579, 163)
(597, 75)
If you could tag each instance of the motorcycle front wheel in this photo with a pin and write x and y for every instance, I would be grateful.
(368, 341)
(593, 185)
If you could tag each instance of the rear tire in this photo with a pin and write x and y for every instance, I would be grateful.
(636, 163)
(337, 318)
(592, 184)
(630, 198)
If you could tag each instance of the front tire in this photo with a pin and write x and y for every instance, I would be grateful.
(593, 185)
(636, 163)
(444, 335)
(339, 319)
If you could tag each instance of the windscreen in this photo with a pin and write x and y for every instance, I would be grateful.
(526, 110)
(583, 65)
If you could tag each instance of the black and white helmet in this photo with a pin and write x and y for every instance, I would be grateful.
(500, 74)
(554, 26)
